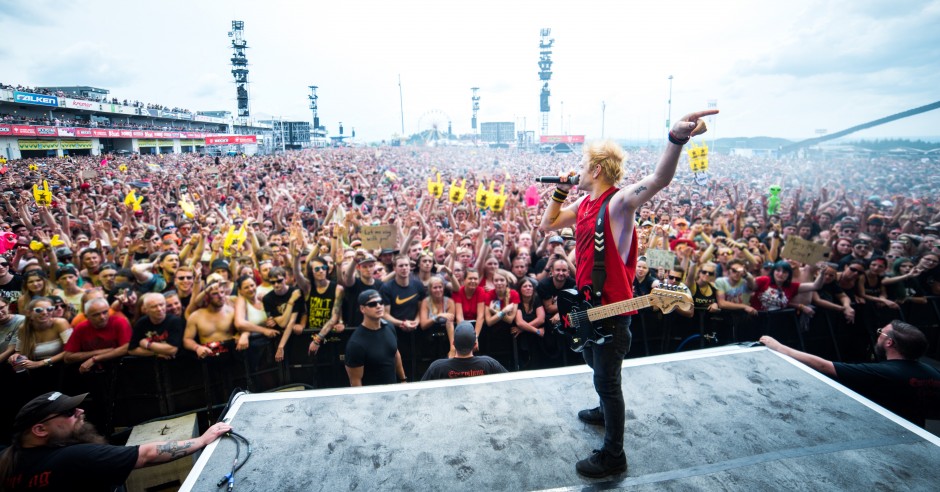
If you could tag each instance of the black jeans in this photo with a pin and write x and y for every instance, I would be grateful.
(607, 360)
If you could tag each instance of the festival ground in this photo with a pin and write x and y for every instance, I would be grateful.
(729, 418)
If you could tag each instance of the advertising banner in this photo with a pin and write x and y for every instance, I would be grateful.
(148, 134)
(231, 139)
(102, 133)
(147, 143)
(66, 132)
(137, 133)
(6, 130)
(76, 144)
(80, 104)
(85, 132)
(24, 130)
(114, 133)
(38, 99)
(165, 143)
(126, 133)
(553, 139)
(46, 131)
(38, 144)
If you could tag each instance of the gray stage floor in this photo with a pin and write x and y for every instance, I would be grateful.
(720, 419)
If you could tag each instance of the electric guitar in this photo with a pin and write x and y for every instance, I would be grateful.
(577, 314)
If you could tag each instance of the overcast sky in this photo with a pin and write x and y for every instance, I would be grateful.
(783, 69)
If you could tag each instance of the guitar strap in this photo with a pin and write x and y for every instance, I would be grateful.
(599, 272)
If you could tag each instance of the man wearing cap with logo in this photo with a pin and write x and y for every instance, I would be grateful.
(372, 355)
(465, 364)
(54, 449)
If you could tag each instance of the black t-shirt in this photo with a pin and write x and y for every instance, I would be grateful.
(352, 316)
(403, 301)
(12, 289)
(87, 467)
(547, 290)
(170, 331)
(908, 388)
(830, 292)
(275, 304)
(463, 367)
(374, 351)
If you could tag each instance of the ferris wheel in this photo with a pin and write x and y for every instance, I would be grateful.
(434, 127)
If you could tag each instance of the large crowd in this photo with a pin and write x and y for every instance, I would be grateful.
(261, 259)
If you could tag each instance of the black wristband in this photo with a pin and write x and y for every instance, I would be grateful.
(676, 140)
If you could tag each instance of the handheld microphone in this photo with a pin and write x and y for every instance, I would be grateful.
(572, 180)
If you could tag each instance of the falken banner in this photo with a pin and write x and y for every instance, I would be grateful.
(39, 99)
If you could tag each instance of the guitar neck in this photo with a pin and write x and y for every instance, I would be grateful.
(609, 310)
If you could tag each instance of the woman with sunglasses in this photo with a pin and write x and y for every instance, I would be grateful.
(778, 290)
(40, 345)
(35, 284)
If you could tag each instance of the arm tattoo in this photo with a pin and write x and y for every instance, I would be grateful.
(640, 189)
(176, 449)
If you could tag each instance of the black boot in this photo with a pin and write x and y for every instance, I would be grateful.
(602, 464)
(592, 416)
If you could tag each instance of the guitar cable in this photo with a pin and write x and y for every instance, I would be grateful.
(238, 438)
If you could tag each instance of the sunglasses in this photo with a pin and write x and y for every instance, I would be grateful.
(40, 310)
(673, 277)
(4, 264)
(276, 280)
(709, 273)
(857, 270)
(373, 304)
(880, 331)
(320, 268)
(65, 413)
(737, 270)
(190, 277)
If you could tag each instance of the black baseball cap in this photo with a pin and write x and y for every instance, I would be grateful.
(45, 405)
(369, 295)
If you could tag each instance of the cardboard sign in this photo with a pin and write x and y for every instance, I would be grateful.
(379, 236)
(660, 258)
(803, 251)
(89, 174)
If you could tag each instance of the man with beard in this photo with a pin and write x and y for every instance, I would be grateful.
(549, 287)
(54, 449)
(213, 323)
(900, 383)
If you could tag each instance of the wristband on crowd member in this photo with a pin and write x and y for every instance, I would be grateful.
(676, 140)
(149, 343)
(317, 339)
(48, 362)
(560, 195)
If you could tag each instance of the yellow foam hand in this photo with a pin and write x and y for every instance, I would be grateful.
(241, 235)
(131, 200)
(42, 195)
(36, 246)
(457, 193)
(391, 176)
(491, 196)
(481, 196)
(33, 167)
(123, 168)
(500, 200)
(436, 188)
(228, 240)
(55, 241)
(238, 211)
(698, 157)
(188, 208)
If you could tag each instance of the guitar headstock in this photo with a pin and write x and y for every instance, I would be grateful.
(668, 297)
